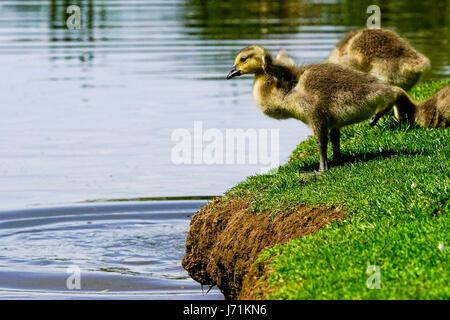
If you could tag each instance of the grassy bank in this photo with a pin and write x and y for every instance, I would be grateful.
(393, 186)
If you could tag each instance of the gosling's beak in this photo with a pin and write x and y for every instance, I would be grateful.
(233, 73)
(373, 121)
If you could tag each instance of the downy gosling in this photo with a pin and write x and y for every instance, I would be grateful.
(435, 111)
(324, 96)
(383, 54)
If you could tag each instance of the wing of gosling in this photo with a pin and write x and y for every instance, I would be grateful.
(283, 71)
(435, 111)
(383, 54)
(284, 58)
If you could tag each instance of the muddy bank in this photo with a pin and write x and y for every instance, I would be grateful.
(225, 239)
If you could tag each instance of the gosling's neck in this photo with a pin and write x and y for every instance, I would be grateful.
(262, 87)
(270, 98)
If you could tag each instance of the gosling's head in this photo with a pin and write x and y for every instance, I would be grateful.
(248, 61)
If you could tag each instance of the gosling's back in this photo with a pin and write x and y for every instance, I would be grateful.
(383, 54)
(326, 92)
(435, 111)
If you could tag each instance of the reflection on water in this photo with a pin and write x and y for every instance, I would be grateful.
(130, 250)
(309, 29)
(88, 114)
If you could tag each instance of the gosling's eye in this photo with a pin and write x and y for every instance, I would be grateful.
(243, 59)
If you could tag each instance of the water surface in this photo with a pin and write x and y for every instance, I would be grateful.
(89, 113)
(123, 250)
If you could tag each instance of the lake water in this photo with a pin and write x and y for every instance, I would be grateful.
(117, 250)
(89, 114)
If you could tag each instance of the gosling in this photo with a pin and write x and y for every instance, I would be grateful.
(383, 54)
(325, 96)
(435, 111)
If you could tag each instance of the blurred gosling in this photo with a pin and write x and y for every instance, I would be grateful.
(383, 54)
(435, 111)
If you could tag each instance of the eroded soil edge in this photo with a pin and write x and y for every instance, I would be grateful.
(225, 239)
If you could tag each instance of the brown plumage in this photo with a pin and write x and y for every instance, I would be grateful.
(383, 54)
(435, 111)
(324, 96)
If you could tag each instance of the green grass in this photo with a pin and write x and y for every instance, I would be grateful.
(393, 185)
(425, 90)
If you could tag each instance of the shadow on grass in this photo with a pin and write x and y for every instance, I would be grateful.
(362, 157)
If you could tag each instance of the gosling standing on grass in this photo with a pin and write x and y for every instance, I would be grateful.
(324, 96)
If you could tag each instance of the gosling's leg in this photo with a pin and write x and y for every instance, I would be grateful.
(322, 141)
(335, 137)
